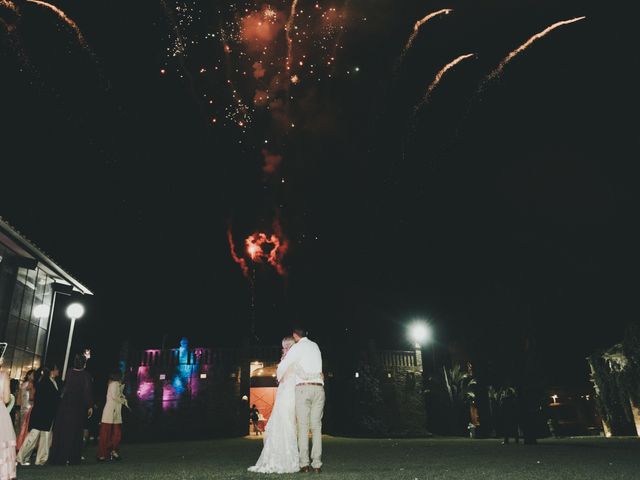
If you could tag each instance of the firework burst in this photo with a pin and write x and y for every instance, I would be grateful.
(261, 248)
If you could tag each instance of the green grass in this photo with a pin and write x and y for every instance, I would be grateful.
(351, 459)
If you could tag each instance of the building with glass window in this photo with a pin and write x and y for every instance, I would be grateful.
(30, 281)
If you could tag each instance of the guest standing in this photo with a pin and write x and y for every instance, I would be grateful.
(7, 433)
(510, 417)
(254, 416)
(25, 397)
(44, 410)
(111, 427)
(27, 394)
(75, 407)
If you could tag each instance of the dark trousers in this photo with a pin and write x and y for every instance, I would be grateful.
(511, 431)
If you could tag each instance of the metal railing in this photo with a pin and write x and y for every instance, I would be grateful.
(203, 356)
(234, 356)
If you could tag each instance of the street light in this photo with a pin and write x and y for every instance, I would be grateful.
(74, 312)
(420, 333)
(41, 311)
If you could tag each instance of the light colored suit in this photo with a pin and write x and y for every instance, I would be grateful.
(112, 412)
(306, 361)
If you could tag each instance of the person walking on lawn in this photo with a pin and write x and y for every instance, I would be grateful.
(43, 413)
(111, 427)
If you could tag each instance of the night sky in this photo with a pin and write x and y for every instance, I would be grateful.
(496, 210)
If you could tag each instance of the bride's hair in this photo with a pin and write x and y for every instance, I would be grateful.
(287, 342)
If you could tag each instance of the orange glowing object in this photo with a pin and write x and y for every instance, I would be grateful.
(529, 42)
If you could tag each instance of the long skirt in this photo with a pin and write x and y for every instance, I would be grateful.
(7, 445)
(66, 448)
(24, 429)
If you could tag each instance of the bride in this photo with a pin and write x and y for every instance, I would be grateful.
(280, 450)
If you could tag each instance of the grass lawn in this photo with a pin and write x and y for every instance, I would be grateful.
(351, 459)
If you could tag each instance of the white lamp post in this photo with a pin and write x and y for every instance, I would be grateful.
(420, 333)
(74, 312)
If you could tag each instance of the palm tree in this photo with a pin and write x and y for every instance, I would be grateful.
(460, 385)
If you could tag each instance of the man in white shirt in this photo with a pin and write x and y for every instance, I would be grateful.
(306, 359)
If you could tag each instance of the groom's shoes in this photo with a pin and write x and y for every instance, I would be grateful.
(306, 469)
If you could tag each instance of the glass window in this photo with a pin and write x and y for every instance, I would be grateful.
(27, 362)
(16, 366)
(7, 284)
(47, 299)
(12, 330)
(8, 356)
(32, 337)
(29, 294)
(42, 338)
(21, 338)
(41, 285)
(16, 301)
(44, 321)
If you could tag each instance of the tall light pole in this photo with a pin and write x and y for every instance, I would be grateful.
(420, 333)
(74, 312)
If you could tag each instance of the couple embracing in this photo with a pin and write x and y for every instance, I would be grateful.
(297, 410)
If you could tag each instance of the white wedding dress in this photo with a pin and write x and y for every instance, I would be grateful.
(280, 450)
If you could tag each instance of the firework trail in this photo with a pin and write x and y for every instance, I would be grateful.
(288, 29)
(496, 73)
(63, 16)
(416, 30)
(439, 76)
(10, 7)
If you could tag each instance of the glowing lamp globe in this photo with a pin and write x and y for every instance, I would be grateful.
(41, 311)
(75, 310)
(420, 333)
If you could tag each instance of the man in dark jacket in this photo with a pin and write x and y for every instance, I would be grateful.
(44, 411)
(510, 417)
(254, 416)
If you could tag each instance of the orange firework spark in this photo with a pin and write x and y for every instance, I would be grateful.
(13, 14)
(528, 43)
(441, 74)
(240, 261)
(6, 4)
(63, 16)
(420, 23)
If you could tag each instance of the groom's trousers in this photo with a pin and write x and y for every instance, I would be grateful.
(309, 410)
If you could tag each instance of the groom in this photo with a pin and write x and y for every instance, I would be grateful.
(306, 359)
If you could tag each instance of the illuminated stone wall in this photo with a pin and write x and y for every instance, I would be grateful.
(185, 393)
